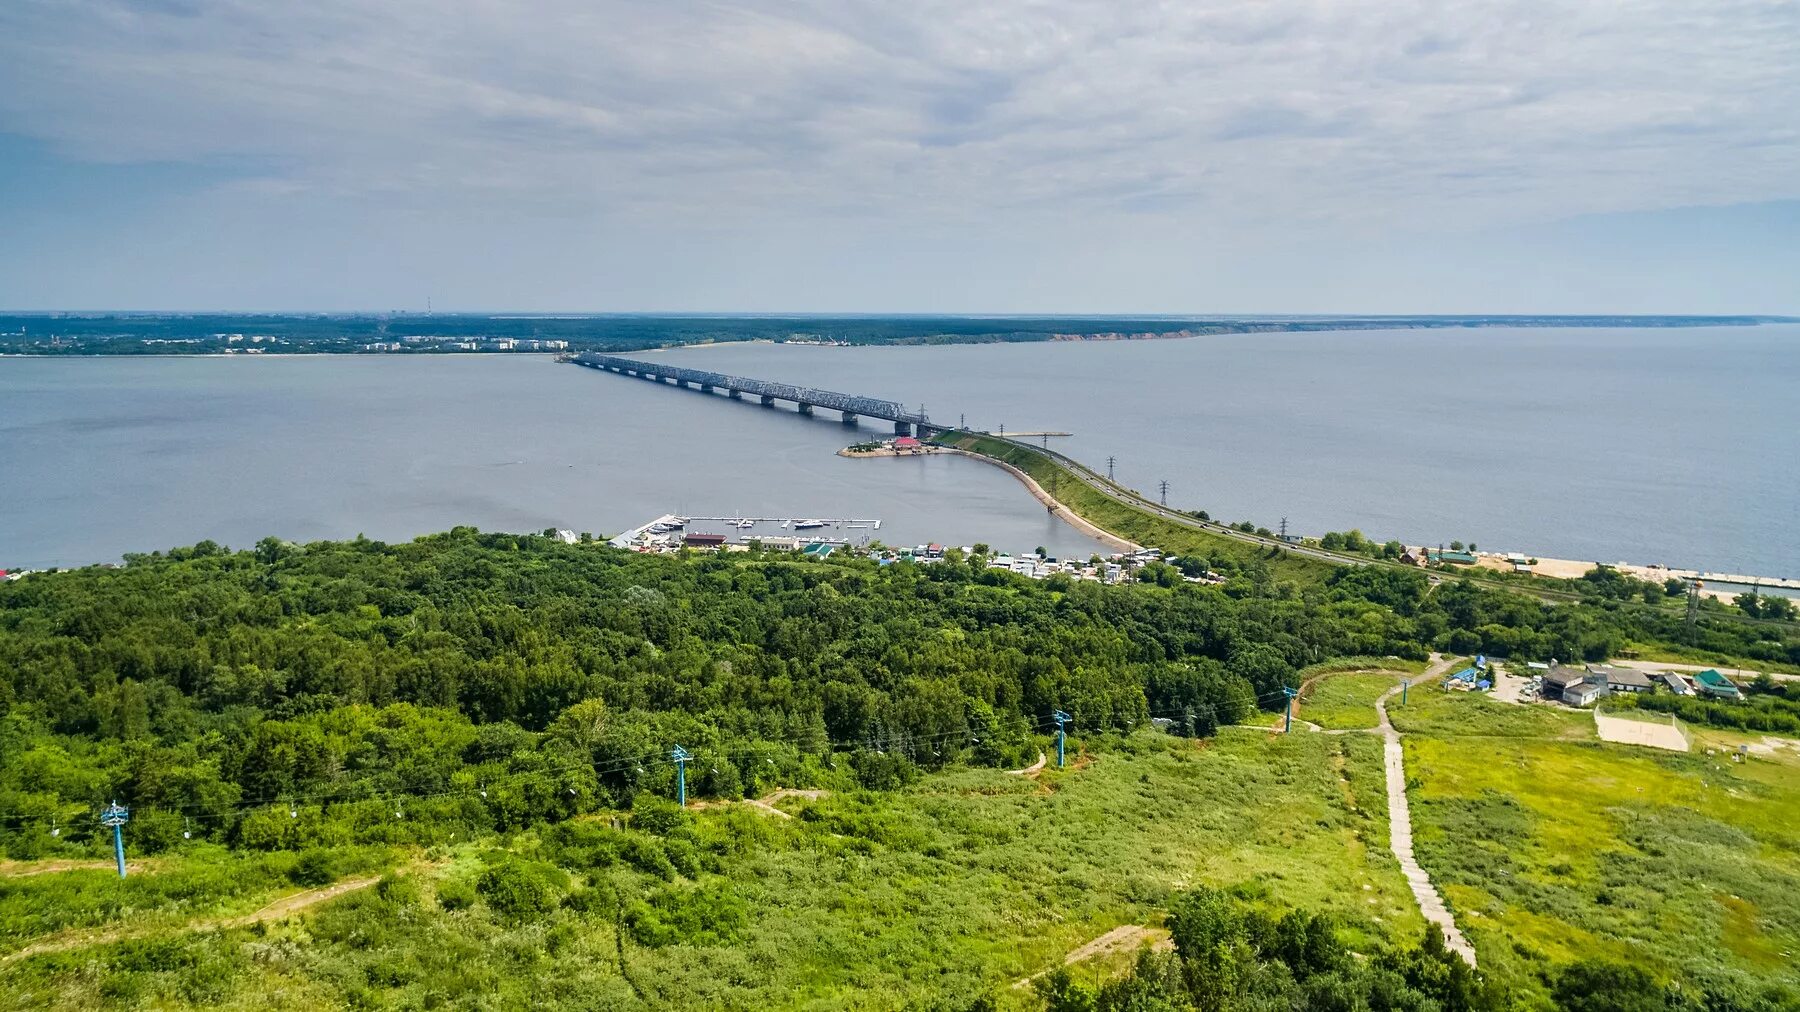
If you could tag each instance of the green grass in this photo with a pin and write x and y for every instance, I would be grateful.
(205, 883)
(1560, 850)
(1550, 846)
(955, 886)
(1136, 524)
(1346, 701)
(1437, 712)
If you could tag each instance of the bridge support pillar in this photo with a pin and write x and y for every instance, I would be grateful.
(736, 395)
(706, 388)
(672, 381)
(804, 408)
(902, 429)
(849, 419)
(767, 401)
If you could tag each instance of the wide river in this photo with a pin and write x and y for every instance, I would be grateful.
(1669, 445)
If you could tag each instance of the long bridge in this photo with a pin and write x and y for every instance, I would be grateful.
(850, 406)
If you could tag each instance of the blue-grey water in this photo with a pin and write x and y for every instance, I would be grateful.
(1675, 446)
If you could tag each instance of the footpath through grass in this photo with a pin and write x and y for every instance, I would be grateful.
(1134, 523)
(1553, 849)
(952, 887)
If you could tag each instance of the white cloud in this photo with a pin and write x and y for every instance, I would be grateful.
(1366, 112)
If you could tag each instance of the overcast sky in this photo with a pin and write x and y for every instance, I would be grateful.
(963, 156)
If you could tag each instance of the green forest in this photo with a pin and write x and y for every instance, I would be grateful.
(321, 711)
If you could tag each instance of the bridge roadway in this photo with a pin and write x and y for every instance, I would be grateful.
(850, 406)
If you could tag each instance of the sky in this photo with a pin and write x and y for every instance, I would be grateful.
(1036, 156)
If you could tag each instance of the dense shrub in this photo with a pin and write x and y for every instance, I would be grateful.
(514, 887)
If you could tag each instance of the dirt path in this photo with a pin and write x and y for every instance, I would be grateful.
(1031, 771)
(1124, 938)
(767, 801)
(1431, 904)
(281, 908)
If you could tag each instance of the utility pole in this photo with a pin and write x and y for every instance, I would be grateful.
(681, 757)
(1109, 467)
(962, 420)
(116, 815)
(1405, 683)
(1284, 528)
(1002, 430)
(1164, 486)
(1044, 438)
(1288, 727)
(1061, 718)
(1693, 606)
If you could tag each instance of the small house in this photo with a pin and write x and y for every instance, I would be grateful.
(1675, 683)
(1712, 685)
(704, 540)
(1583, 693)
(1456, 558)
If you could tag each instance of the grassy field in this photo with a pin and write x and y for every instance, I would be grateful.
(1346, 702)
(1552, 849)
(1435, 712)
(958, 885)
(1550, 846)
(1139, 525)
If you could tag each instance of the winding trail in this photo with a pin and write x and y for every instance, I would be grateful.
(1431, 904)
(1124, 938)
(281, 908)
(1031, 771)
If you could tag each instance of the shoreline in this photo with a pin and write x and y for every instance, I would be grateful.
(1055, 506)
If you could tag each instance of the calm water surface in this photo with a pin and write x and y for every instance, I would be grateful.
(1673, 446)
(106, 456)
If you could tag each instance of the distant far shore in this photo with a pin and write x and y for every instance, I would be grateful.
(62, 335)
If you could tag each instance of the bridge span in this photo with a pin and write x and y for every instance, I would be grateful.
(805, 399)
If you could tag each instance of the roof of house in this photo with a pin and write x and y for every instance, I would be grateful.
(1712, 679)
(1621, 676)
(704, 539)
(1463, 557)
(906, 441)
(1560, 675)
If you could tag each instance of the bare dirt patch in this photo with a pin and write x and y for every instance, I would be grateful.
(1655, 734)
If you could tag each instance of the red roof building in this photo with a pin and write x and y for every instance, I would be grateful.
(906, 443)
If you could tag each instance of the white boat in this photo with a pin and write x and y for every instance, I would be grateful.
(744, 525)
(807, 525)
